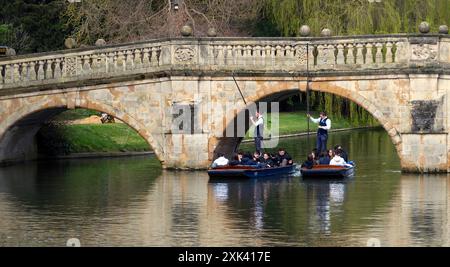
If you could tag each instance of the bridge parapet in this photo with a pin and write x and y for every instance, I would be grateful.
(247, 55)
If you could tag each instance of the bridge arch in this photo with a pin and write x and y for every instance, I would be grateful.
(267, 93)
(17, 132)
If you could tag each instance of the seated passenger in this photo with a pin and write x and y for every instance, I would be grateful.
(309, 163)
(324, 158)
(266, 161)
(283, 158)
(237, 159)
(343, 153)
(220, 161)
(256, 157)
(337, 160)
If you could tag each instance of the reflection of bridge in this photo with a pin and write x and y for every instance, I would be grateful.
(401, 79)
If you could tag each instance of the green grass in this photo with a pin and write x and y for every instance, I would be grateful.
(112, 137)
(117, 137)
(75, 114)
(297, 122)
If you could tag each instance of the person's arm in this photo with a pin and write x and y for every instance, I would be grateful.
(258, 122)
(314, 120)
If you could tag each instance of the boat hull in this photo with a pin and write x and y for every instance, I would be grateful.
(250, 172)
(327, 171)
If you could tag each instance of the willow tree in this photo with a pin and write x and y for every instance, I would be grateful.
(354, 17)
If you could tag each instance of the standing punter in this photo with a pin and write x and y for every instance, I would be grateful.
(322, 132)
(259, 128)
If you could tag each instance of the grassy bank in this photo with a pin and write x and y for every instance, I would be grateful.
(296, 122)
(113, 137)
(118, 137)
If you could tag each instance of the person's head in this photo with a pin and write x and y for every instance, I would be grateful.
(323, 114)
(256, 154)
(281, 151)
(338, 152)
(330, 153)
(310, 157)
(336, 147)
(266, 156)
(220, 155)
(314, 152)
(240, 155)
(257, 114)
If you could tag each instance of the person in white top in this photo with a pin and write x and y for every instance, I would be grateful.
(220, 161)
(258, 132)
(337, 160)
(322, 131)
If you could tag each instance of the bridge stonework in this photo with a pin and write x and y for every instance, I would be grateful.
(402, 80)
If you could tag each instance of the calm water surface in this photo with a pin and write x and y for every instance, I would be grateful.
(132, 202)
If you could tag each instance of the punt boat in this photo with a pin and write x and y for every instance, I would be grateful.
(242, 171)
(328, 171)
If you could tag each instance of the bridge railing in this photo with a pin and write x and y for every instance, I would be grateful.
(319, 54)
(267, 55)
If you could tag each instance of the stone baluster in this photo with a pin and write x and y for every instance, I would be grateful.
(146, 57)
(220, 55)
(112, 62)
(32, 75)
(86, 65)
(359, 54)
(120, 61)
(238, 54)
(155, 56)
(16, 72)
(369, 53)
(279, 55)
(48, 72)
(57, 69)
(129, 61)
(24, 72)
(350, 54)
(340, 57)
(138, 58)
(379, 53)
(95, 64)
(267, 55)
(229, 60)
(257, 55)
(273, 51)
(388, 56)
(8, 74)
(248, 55)
(288, 56)
(40, 70)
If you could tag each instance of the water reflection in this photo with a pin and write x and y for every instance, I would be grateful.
(132, 202)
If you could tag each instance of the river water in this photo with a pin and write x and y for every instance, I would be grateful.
(132, 202)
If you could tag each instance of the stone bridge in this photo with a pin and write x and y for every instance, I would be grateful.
(402, 80)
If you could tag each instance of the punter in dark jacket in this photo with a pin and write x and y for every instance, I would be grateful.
(283, 158)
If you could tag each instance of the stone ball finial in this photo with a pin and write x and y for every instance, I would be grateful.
(10, 52)
(305, 30)
(70, 43)
(100, 42)
(325, 32)
(186, 30)
(443, 29)
(212, 32)
(424, 27)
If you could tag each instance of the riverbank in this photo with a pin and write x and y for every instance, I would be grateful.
(118, 138)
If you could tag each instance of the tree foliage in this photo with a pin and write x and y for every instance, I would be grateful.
(32, 25)
(350, 17)
(123, 21)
